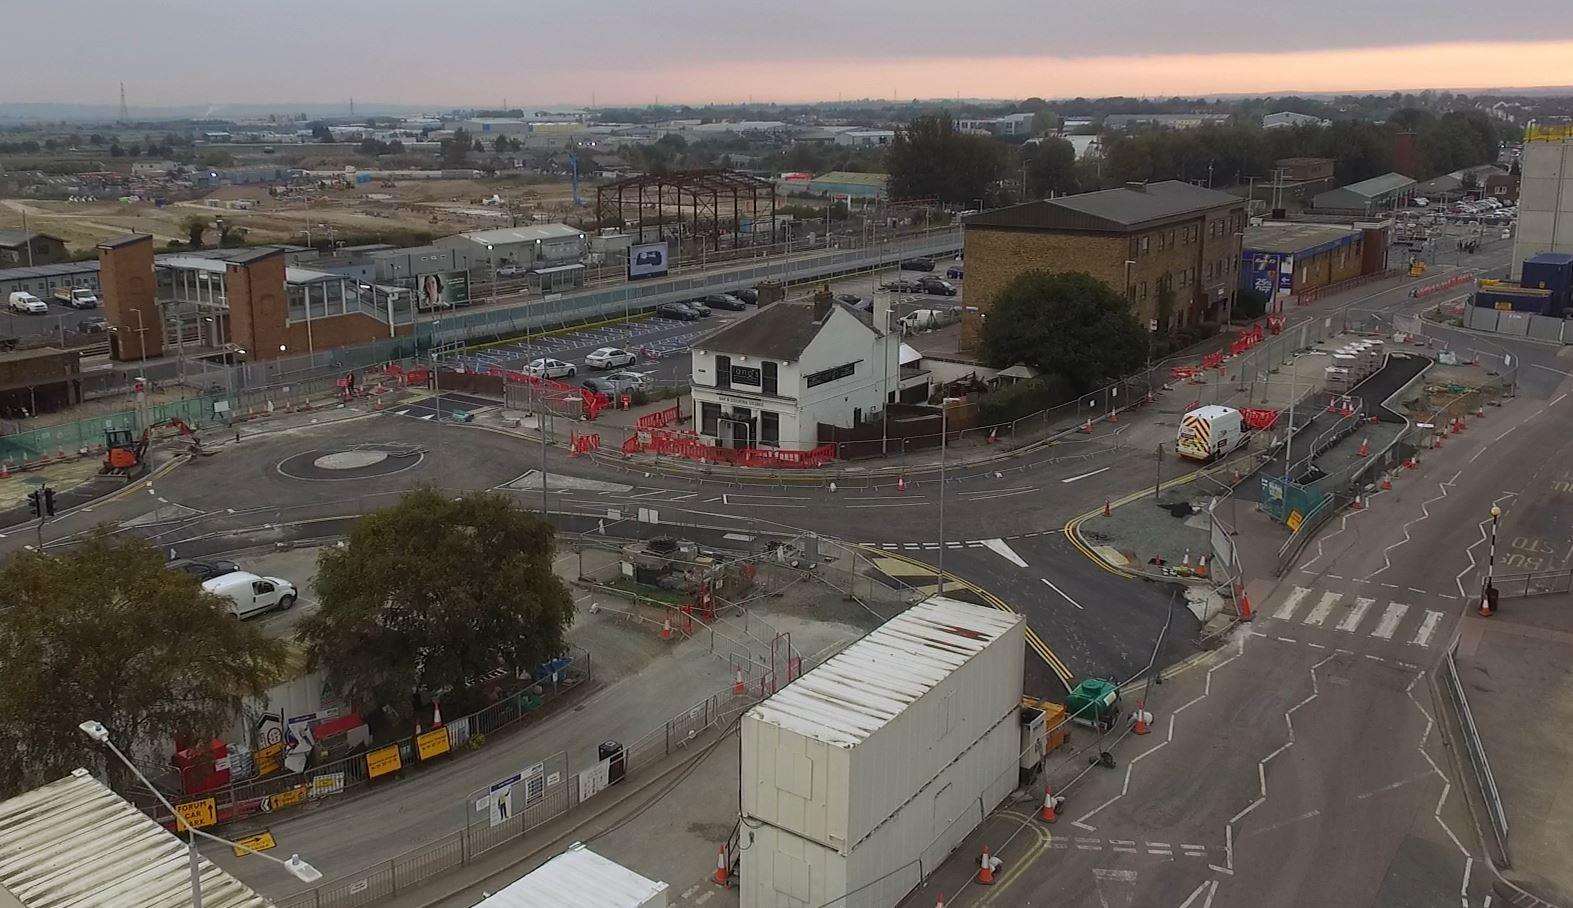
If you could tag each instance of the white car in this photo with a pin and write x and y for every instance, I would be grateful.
(610, 358)
(28, 304)
(551, 368)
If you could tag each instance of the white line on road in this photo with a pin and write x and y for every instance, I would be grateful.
(1391, 615)
(1003, 549)
(988, 495)
(1356, 614)
(1286, 611)
(1061, 592)
(1196, 893)
(1427, 628)
(1085, 475)
(1322, 609)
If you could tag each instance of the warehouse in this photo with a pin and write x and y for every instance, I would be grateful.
(41, 280)
(874, 766)
(842, 183)
(1284, 260)
(1383, 193)
(553, 254)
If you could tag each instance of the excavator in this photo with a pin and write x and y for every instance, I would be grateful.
(124, 451)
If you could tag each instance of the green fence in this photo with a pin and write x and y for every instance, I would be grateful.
(1287, 502)
(48, 441)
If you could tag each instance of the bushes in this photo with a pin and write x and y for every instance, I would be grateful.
(1021, 399)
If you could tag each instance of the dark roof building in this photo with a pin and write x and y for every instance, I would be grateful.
(1121, 210)
(1387, 191)
(780, 331)
(25, 248)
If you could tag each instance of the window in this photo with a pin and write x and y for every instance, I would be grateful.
(723, 371)
(769, 428)
(814, 379)
(1171, 238)
(1144, 243)
(767, 382)
(709, 418)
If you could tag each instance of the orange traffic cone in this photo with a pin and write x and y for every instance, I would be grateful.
(993, 434)
(1245, 606)
(1365, 447)
(1087, 426)
(1411, 463)
(1114, 416)
(1201, 566)
(1106, 510)
(1048, 815)
(1480, 411)
(738, 686)
(1142, 717)
(720, 866)
(1357, 504)
(5, 469)
(986, 868)
(666, 629)
(1387, 482)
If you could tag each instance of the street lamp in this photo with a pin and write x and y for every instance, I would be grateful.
(944, 414)
(1488, 593)
(297, 867)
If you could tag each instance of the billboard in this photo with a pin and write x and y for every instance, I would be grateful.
(647, 260)
(442, 290)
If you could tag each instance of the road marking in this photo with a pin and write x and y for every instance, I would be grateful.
(1393, 614)
(1001, 548)
(1427, 628)
(1061, 592)
(1322, 609)
(401, 412)
(1288, 639)
(1356, 614)
(1085, 475)
(1414, 590)
(1286, 611)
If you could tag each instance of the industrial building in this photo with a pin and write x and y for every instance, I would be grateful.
(1288, 259)
(1137, 239)
(1286, 118)
(845, 183)
(1545, 196)
(1367, 197)
(1165, 121)
(553, 254)
(1011, 125)
(25, 248)
(43, 280)
(871, 768)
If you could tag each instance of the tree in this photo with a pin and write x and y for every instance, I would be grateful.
(1068, 324)
(105, 631)
(195, 226)
(456, 148)
(432, 593)
(931, 159)
(1051, 168)
(321, 132)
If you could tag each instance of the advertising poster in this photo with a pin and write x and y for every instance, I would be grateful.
(647, 260)
(442, 290)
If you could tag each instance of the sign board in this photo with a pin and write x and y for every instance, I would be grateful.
(270, 759)
(197, 814)
(327, 784)
(647, 260)
(442, 290)
(432, 744)
(262, 841)
(269, 730)
(502, 798)
(595, 779)
(289, 797)
(383, 761)
(1294, 521)
(298, 741)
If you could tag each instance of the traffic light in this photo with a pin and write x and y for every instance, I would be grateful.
(35, 501)
(49, 501)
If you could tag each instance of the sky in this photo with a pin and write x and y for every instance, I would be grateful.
(533, 52)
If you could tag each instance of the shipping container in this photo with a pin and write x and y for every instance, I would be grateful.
(1552, 271)
(1507, 298)
(580, 878)
(839, 751)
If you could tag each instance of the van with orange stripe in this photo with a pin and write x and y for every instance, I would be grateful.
(1209, 432)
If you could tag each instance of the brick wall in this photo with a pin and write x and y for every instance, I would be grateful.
(335, 331)
(126, 285)
(994, 258)
(257, 306)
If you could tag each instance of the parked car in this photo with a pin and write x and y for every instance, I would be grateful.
(954, 272)
(749, 296)
(616, 383)
(900, 285)
(929, 319)
(546, 367)
(936, 287)
(204, 570)
(677, 311)
(699, 307)
(28, 304)
(92, 326)
(917, 264)
(610, 358)
(855, 301)
(249, 594)
(633, 380)
(724, 301)
(77, 297)
(600, 385)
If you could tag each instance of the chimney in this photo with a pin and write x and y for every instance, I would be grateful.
(1136, 185)
(823, 299)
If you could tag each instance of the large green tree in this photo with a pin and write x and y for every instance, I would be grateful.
(1051, 168)
(931, 159)
(105, 631)
(1067, 324)
(431, 593)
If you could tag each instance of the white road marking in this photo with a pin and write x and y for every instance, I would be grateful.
(1061, 592)
(428, 416)
(1286, 611)
(1427, 628)
(1322, 609)
(1085, 475)
(1003, 549)
(401, 412)
(1393, 614)
(1356, 614)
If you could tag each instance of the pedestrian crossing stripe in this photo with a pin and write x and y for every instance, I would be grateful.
(1322, 609)
(1286, 611)
(1356, 614)
(1350, 621)
(1393, 614)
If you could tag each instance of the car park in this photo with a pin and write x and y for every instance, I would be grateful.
(249, 594)
(936, 287)
(28, 304)
(546, 367)
(917, 264)
(609, 358)
(677, 311)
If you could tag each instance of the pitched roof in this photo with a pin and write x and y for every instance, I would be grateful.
(523, 234)
(852, 178)
(1109, 210)
(20, 237)
(780, 331)
(1376, 186)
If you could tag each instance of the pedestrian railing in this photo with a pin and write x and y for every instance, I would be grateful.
(1534, 583)
(1476, 749)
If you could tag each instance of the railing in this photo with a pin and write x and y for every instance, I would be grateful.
(1534, 583)
(1477, 752)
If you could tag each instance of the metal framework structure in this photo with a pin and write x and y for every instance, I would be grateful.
(688, 204)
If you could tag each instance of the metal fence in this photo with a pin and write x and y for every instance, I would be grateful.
(1519, 324)
(1534, 583)
(1476, 749)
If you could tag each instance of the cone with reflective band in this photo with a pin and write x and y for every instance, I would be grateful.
(986, 868)
(666, 629)
(738, 687)
(1048, 806)
(720, 866)
(901, 483)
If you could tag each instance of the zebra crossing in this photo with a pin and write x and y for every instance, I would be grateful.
(1346, 613)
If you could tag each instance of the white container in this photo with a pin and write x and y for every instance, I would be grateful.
(840, 750)
(580, 878)
(783, 870)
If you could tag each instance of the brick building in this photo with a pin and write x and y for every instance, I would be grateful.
(1134, 238)
(24, 248)
(41, 380)
(1284, 260)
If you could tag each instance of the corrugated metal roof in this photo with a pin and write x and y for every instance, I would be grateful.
(1378, 186)
(76, 843)
(32, 271)
(856, 692)
(577, 878)
(503, 235)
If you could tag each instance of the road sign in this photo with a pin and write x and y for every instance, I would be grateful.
(262, 841)
(289, 797)
(197, 814)
(381, 762)
(269, 759)
(432, 744)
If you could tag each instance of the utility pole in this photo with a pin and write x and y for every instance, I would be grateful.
(1488, 593)
(944, 412)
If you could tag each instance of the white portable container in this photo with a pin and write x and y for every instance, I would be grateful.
(881, 756)
(580, 878)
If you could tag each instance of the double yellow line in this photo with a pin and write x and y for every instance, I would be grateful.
(1034, 641)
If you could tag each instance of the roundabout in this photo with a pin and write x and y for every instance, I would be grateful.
(362, 461)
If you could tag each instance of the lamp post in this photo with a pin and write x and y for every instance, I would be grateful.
(944, 437)
(1488, 593)
(297, 867)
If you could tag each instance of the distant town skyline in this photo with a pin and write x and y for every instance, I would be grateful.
(184, 52)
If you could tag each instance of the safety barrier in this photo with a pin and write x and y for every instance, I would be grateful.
(1476, 750)
(660, 419)
(583, 444)
(1534, 583)
(1258, 418)
(687, 445)
(1450, 283)
(594, 402)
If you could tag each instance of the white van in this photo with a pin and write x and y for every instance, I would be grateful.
(929, 319)
(1208, 432)
(24, 302)
(250, 594)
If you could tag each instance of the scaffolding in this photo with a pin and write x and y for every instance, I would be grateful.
(690, 206)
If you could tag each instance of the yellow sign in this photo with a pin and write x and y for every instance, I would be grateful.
(381, 762)
(262, 841)
(287, 798)
(432, 744)
(269, 759)
(197, 814)
(1294, 521)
